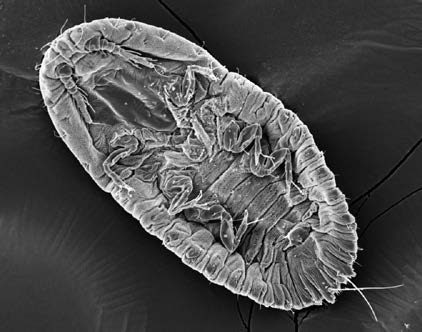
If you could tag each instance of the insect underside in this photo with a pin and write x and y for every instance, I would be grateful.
(228, 178)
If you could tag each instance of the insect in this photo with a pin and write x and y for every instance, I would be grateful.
(229, 179)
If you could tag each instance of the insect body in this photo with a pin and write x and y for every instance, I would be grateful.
(228, 178)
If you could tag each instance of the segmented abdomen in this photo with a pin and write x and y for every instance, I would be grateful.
(228, 178)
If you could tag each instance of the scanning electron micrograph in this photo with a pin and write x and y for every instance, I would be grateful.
(210, 166)
(221, 171)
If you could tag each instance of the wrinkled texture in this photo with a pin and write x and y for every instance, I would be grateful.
(228, 178)
(350, 71)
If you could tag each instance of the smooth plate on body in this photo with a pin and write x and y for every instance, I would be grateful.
(228, 178)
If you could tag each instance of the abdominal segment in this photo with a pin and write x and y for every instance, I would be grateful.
(228, 178)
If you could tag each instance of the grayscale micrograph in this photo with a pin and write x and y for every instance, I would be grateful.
(211, 166)
(227, 177)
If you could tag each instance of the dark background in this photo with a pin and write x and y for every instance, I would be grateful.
(72, 260)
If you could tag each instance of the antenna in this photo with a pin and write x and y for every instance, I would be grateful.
(360, 289)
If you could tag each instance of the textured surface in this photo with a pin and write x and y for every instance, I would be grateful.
(72, 259)
(228, 178)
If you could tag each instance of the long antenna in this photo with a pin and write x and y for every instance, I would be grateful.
(364, 297)
(360, 289)
(367, 288)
